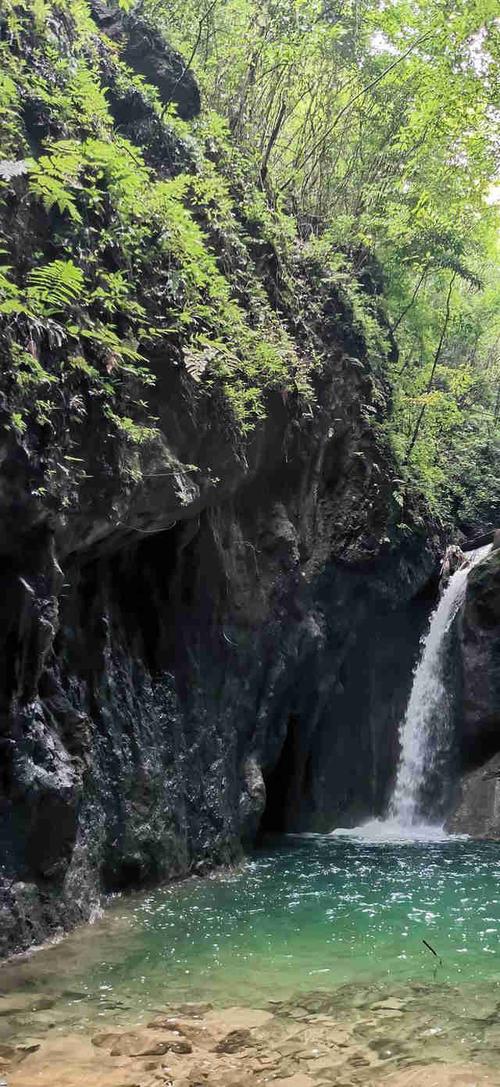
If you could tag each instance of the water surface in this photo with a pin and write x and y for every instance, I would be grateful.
(311, 913)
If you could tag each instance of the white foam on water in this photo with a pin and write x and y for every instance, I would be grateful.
(380, 831)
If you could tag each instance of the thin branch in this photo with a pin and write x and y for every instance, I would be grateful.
(355, 98)
(201, 23)
(271, 141)
(430, 382)
(407, 308)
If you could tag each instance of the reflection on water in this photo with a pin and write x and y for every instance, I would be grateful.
(321, 913)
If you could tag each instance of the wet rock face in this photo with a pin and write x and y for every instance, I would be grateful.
(478, 807)
(480, 646)
(165, 649)
(337, 763)
(477, 811)
(454, 558)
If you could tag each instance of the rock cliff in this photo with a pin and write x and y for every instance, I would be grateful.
(164, 659)
(203, 633)
(478, 805)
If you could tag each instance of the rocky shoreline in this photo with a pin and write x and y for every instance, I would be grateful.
(316, 1040)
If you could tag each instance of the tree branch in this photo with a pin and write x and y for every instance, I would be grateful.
(412, 300)
(363, 91)
(201, 23)
(430, 382)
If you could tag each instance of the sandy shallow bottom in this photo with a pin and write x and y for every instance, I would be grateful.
(318, 1039)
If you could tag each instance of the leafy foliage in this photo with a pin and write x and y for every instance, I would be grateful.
(376, 127)
(344, 150)
(55, 286)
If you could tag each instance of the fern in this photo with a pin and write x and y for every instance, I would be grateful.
(196, 362)
(10, 168)
(18, 423)
(54, 177)
(10, 114)
(117, 350)
(55, 286)
(28, 370)
(8, 289)
(131, 431)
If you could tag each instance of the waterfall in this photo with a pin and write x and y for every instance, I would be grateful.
(426, 730)
(426, 727)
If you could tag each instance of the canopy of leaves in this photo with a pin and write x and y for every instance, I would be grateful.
(377, 127)
(354, 144)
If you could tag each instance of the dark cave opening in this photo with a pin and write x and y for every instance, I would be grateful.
(126, 875)
(285, 782)
(142, 578)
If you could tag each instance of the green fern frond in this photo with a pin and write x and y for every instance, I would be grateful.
(55, 286)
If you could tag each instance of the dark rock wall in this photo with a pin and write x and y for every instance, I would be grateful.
(338, 762)
(144, 49)
(480, 644)
(155, 678)
(477, 808)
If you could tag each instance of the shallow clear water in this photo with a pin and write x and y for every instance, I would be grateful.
(314, 912)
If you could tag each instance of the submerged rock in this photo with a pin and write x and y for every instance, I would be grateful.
(24, 1003)
(234, 1041)
(280, 1052)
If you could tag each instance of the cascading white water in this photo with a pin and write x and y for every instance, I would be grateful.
(426, 726)
(425, 729)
